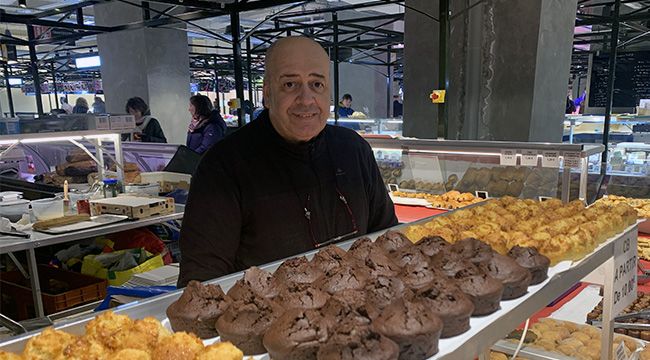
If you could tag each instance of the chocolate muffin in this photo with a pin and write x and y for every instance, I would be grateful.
(530, 259)
(408, 255)
(302, 296)
(412, 326)
(246, 321)
(198, 309)
(255, 280)
(515, 279)
(360, 249)
(484, 290)
(450, 263)
(472, 249)
(392, 241)
(418, 275)
(445, 300)
(431, 245)
(349, 306)
(296, 335)
(342, 278)
(377, 264)
(328, 258)
(356, 343)
(382, 291)
(296, 270)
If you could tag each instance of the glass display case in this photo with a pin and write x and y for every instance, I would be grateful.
(629, 141)
(379, 126)
(527, 170)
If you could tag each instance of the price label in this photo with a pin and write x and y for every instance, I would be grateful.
(571, 159)
(529, 158)
(550, 159)
(508, 157)
(625, 262)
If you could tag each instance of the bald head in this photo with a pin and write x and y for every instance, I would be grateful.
(293, 46)
(296, 87)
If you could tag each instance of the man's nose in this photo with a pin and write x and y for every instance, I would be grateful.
(306, 94)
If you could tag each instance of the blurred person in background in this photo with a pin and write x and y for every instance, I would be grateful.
(80, 106)
(206, 127)
(147, 128)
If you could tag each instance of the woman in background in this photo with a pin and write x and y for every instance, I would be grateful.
(207, 126)
(147, 128)
(80, 106)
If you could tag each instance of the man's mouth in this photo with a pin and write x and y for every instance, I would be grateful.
(304, 115)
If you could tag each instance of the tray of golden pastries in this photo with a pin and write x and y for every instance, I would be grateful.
(642, 207)
(448, 201)
(559, 231)
(566, 339)
(643, 246)
(111, 336)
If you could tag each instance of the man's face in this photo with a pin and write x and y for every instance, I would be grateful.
(297, 91)
(347, 103)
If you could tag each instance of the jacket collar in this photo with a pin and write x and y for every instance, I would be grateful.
(306, 151)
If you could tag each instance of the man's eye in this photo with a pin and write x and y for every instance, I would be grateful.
(289, 85)
(318, 85)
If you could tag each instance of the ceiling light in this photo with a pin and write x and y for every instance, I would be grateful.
(22, 3)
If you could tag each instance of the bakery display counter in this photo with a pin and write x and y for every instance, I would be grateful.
(374, 126)
(459, 342)
(496, 168)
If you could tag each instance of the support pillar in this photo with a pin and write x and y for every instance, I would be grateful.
(151, 63)
(33, 67)
(10, 97)
(237, 63)
(335, 28)
(421, 54)
(509, 76)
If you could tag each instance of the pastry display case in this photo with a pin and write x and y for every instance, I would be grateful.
(376, 126)
(489, 169)
(472, 341)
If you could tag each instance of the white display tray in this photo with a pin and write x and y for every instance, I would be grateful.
(484, 332)
(398, 200)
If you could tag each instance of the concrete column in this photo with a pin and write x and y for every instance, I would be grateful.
(420, 69)
(150, 63)
(508, 69)
(367, 85)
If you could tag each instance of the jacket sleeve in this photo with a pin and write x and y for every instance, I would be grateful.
(211, 229)
(211, 134)
(154, 132)
(382, 210)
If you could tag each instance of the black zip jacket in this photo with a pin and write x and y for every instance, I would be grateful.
(256, 198)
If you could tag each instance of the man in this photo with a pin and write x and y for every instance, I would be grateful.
(65, 106)
(345, 106)
(285, 183)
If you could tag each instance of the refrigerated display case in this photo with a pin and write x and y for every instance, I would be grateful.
(528, 170)
(378, 126)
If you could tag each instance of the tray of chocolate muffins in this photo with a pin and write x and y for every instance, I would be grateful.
(385, 299)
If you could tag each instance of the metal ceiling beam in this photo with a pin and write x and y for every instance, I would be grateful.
(69, 8)
(30, 20)
(341, 8)
(329, 23)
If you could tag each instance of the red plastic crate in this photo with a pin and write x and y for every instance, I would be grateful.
(80, 289)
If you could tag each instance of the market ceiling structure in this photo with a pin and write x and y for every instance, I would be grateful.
(71, 30)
